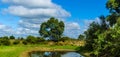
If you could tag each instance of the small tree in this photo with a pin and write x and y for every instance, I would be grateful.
(52, 29)
(31, 39)
(16, 42)
(24, 42)
(4, 41)
(5, 37)
(12, 37)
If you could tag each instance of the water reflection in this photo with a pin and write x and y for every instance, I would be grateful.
(55, 54)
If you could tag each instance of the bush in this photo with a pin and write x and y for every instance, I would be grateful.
(64, 39)
(39, 39)
(12, 37)
(31, 39)
(4, 42)
(24, 42)
(0, 41)
(21, 38)
(16, 42)
(5, 37)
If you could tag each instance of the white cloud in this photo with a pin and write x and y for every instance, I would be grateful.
(72, 25)
(22, 11)
(5, 30)
(33, 12)
(72, 29)
(31, 3)
(23, 31)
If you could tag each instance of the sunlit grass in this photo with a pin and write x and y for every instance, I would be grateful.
(11, 51)
(17, 50)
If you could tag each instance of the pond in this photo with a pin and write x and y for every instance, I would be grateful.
(55, 54)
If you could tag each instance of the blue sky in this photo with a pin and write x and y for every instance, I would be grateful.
(84, 9)
(75, 13)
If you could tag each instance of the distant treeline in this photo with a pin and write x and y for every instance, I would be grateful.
(11, 40)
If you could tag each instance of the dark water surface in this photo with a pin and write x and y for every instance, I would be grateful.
(55, 54)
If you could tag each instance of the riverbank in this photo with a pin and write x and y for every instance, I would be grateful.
(23, 50)
(26, 53)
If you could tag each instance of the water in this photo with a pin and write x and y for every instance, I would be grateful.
(55, 54)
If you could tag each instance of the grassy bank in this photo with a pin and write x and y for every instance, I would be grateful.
(17, 50)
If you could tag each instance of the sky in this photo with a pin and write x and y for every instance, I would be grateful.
(23, 17)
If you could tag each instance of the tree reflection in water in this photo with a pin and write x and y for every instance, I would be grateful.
(55, 54)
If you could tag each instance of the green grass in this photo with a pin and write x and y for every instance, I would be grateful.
(11, 51)
(16, 50)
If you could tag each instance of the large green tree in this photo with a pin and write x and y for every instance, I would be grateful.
(53, 29)
(81, 37)
(107, 41)
(113, 6)
(93, 31)
(112, 18)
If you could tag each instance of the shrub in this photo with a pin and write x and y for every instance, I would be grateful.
(39, 39)
(0, 41)
(5, 42)
(16, 42)
(24, 42)
(21, 38)
(12, 37)
(31, 39)
(64, 39)
(5, 37)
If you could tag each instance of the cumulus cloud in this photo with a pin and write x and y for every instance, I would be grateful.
(33, 12)
(31, 3)
(72, 25)
(5, 30)
(24, 12)
(72, 29)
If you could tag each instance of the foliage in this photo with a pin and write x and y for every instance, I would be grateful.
(24, 42)
(108, 43)
(64, 39)
(16, 42)
(12, 37)
(113, 5)
(92, 33)
(5, 37)
(112, 18)
(40, 39)
(31, 39)
(81, 37)
(103, 39)
(52, 29)
(21, 38)
(4, 41)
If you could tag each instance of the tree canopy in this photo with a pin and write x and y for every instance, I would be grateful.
(53, 29)
(103, 40)
(113, 5)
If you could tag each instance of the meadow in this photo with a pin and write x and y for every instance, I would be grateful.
(21, 50)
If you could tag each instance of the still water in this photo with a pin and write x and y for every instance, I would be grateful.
(55, 54)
